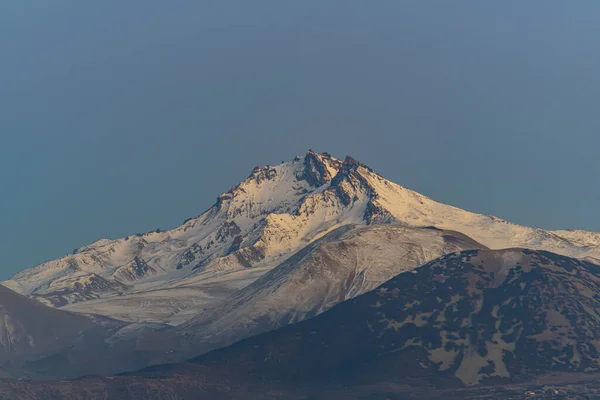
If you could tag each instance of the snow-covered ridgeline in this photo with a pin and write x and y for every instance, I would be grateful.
(275, 212)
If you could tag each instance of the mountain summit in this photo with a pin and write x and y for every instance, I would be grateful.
(278, 210)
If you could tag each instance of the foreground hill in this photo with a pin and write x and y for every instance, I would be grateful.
(30, 332)
(278, 210)
(460, 323)
(41, 342)
(343, 264)
(476, 317)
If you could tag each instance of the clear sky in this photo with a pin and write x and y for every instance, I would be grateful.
(119, 116)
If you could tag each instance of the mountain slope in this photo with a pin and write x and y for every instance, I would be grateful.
(30, 328)
(30, 331)
(467, 318)
(42, 342)
(254, 227)
(464, 320)
(341, 265)
(242, 229)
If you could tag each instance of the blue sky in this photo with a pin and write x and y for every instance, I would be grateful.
(120, 117)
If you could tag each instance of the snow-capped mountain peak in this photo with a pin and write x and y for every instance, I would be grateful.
(274, 212)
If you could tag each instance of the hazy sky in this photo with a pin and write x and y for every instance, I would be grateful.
(124, 116)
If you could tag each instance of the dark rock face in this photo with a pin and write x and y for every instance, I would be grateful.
(134, 270)
(376, 214)
(348, 182)
(315, 171)
(260, 174)
(235, 246)
(227, 230)
(350, 161)
(250, 255)
(222, 199)
(190, 255)
(345, 172)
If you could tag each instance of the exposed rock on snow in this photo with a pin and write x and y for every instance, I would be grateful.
(343, 264)
(275, 212)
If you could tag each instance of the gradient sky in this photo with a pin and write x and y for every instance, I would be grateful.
(125, 116)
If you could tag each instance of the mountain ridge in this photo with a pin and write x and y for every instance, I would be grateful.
(343, 264)
(472, 324)
(256, 225)
(464, 319)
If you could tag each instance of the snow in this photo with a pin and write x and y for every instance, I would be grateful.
(417, 210)
(147, 307)
(344, 264)
(271, 215)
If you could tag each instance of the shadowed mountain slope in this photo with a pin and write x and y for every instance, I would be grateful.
(464, 319)
(467, 319)
(30, 331)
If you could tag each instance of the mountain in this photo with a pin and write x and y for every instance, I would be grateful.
(171, 276)
(31, 331)
(474, 324)
(470, 318)
(343, 264)
(42, 342)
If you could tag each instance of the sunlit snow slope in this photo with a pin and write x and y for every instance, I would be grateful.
(272, 214)
(343, 264)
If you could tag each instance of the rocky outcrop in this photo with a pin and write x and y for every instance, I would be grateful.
(318, 169)
(133, 271)
(78, 288)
